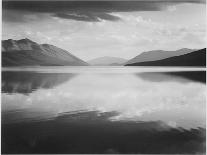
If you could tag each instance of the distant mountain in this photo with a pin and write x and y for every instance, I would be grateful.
(157, 55)
(107, 61)
(195, 58)
(25, 52)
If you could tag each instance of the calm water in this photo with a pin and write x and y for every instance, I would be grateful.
(103, 110)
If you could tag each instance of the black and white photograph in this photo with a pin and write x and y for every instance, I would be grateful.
(103, 77)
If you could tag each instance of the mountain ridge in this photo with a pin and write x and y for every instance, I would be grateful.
(195, 58)
(158, 55)
(107, 61)
(26, 52)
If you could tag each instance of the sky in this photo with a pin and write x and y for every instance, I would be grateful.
(91, 29)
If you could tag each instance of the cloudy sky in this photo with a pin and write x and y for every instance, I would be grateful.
(107, 28)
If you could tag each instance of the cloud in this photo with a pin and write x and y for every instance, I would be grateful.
(134, 33)
(91, 11)
(172, 8)
(95, 17)
(18, 16)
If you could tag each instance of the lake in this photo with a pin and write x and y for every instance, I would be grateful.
(103, 110)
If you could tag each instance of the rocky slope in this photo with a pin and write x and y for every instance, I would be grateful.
(157, 55)
(195, 58)
(25, 52)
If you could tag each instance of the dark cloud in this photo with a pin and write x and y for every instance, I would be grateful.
(93, 16)
(10, 16)
(86, 10)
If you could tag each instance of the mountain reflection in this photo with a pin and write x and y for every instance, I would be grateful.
(27, 82)
(186, 76)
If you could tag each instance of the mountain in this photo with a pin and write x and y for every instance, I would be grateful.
(107, 61)
(157, 55)
(195, 58)
(25, 52)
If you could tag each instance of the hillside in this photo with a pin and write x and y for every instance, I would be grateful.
(25, 52)
(158, 55)
(196, 58)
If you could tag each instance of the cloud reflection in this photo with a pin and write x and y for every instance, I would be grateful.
(177, 104)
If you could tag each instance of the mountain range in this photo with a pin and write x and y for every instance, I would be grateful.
(158, 55)
(107, 61)
(186, 57)
(25, 52)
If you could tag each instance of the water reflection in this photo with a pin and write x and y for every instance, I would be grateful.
(27, 82)
(184, 76)
(103, 113)
(91, 132)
